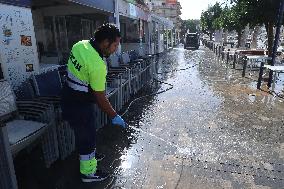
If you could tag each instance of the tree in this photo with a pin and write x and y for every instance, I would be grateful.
(190, 25)
(208, 17)
(260, 12)
(238, 19)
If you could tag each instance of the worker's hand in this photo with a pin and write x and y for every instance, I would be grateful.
(117, 120)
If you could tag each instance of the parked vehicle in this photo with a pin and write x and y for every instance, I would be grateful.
(192, 41)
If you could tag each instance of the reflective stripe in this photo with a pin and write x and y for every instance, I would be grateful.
(75, 83)
(77, 87)
(88, 166)
(75, 79)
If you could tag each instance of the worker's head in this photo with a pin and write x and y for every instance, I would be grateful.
(108, 38)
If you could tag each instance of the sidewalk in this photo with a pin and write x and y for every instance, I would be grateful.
(212, 130)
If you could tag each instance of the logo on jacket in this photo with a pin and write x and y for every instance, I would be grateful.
(75, 62)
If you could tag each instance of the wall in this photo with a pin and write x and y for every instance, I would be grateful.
(18, 55)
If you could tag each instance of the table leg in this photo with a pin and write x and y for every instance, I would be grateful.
(234, 63)
(274, 80)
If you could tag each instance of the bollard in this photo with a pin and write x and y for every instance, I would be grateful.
(223, 53)
(244, 67)
(260, 75)
(234, 62)
(228, 56)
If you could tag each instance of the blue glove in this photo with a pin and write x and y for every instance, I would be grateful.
(117, 120)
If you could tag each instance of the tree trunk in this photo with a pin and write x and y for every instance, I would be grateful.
(210, 35)
(218, 36)
(254, 37)
(269, 30)
(226, 36)
(244, 36)
(243, 39)
(221, 35)
(239, 37)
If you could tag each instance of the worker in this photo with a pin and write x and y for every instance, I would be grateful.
(86, 85)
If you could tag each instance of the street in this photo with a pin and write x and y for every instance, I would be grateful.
(213, 129)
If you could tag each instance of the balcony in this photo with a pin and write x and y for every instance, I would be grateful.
(139, 3)
(166, 6)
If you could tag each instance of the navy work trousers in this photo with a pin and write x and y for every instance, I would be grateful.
(81, 118)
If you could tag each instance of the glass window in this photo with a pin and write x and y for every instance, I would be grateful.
(61, 33)
(1, 72)
(87, 29)
(123, 32)
(74, 33)
(142, 30)
(49, 32)
(131, 31)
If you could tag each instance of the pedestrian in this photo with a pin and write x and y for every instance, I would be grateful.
(85, 85)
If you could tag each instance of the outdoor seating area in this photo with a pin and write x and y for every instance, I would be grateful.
(31, 115)
(252, 62)
(24, 124)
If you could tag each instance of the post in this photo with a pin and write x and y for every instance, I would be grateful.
(260, 75)
(228, 56)
(277, 35)
(117, 22)
(235, 60)
(245, 67)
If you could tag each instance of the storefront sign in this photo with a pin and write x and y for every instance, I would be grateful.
(133, 11)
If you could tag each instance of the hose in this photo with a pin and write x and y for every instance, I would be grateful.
(156, 93)
(153, 94)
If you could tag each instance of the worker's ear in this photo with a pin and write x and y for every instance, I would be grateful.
(105, 43)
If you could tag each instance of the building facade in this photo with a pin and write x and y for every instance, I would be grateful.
(170, 9)
(38, 35)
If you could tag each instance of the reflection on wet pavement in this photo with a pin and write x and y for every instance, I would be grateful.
(212, 130)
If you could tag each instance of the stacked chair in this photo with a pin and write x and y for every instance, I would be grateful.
(48, 86)
(119, 75)
(36, 118)
(24, 124)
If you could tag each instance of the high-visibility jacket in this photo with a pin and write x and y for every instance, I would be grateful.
(86, 69)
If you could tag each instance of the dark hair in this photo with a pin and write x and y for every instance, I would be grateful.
(107, 31)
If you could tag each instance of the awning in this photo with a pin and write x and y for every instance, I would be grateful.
(132, 11)
(106, 5)
(20, 3)
(164, 21)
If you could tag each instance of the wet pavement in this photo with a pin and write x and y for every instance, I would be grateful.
(213, 129)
